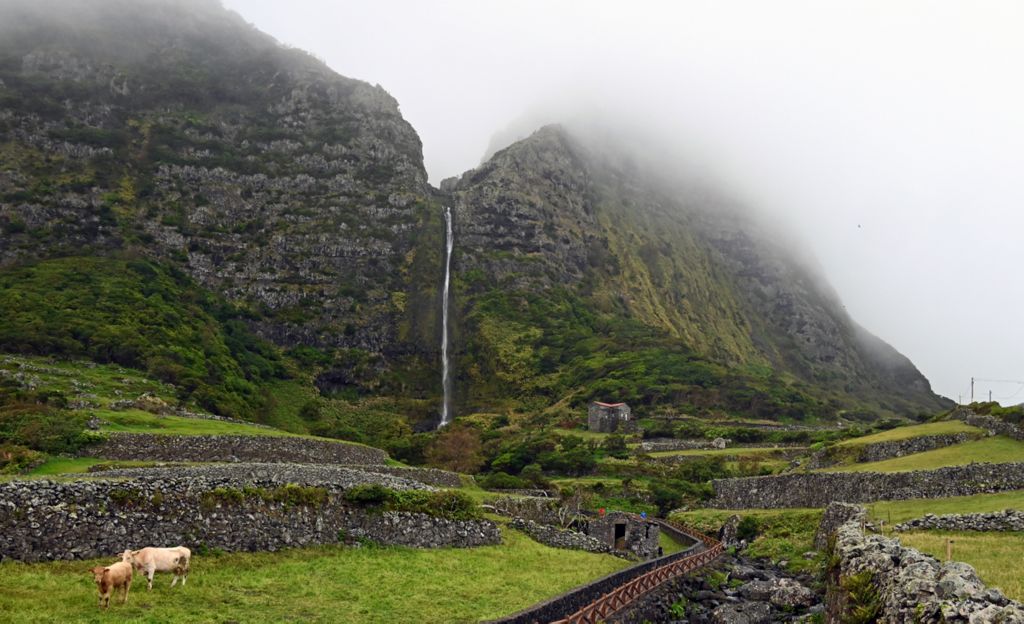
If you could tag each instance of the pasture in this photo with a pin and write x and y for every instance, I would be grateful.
(367, 584)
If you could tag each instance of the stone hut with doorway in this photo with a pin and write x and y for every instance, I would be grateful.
(627, 532)
(610, 418)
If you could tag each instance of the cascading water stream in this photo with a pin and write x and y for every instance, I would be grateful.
(446, 381)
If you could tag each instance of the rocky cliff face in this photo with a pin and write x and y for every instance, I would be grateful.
(177, 132)
(555, 217)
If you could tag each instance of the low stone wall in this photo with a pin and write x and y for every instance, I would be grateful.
(231, 448)
(912, 587)
(778, 452)
(561, 538)
(992, 424)
(671, 444)
(43, 520)
(240, 474)
(879, 451)
(835, 516)
(818, 489)
(1008, 520)
(429, 476)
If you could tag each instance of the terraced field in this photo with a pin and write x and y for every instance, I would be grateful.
(323, 584)
(944, 427)
(894, 512)
(996, 450)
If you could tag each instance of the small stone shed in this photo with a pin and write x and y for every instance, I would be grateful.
(626, 531)
(610, 418)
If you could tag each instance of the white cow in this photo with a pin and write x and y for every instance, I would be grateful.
(151, 560)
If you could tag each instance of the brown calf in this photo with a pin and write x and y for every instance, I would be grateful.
(110, 578)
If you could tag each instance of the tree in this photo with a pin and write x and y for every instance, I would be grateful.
(458, 449)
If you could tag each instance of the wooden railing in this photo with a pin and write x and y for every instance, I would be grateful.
(629, 591)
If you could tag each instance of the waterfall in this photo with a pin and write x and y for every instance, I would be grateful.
(446, 380)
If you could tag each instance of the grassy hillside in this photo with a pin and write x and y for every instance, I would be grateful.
(996, 450)
(895, 512)
(140, 315)
(326, 584)
(944, 427)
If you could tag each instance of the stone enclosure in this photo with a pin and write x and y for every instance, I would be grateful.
(213, 508)
(232, 448)
(818, 489)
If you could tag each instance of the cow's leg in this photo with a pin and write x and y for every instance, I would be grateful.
(127, 586)
(150, 571)
(175, 580)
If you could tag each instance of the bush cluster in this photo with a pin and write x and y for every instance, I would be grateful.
(448, 504)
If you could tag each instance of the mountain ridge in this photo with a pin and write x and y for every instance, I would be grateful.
(300, 196)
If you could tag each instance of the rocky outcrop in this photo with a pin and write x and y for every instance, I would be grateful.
(181, 133)
(907, 586)
(43, 520)
(818, 489)
(735, 590)
(232, 448)
(1008, 520)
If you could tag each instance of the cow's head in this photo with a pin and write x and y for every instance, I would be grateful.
(97, 574)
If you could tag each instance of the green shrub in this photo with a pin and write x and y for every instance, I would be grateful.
(141, 315)
(449, 504)
(502, 481)
(368, 495)
(747, 528)
(42, 428)
(18, 459)
(863, 601)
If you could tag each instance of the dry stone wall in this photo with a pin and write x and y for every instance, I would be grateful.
(232, 448)
(913, 587)
(1008, 520)
(818, 489)
(561, 538)
(881, 451)
(44, 520)
(991, 424)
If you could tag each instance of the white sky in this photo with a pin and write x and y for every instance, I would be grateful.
(890, 133)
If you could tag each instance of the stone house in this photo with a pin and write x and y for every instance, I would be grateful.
(610, 418)
(626, 531)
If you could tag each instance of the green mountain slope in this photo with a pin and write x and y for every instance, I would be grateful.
(252, 177)
(577, 274)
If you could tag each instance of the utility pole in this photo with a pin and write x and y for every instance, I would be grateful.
(972, 389)
(989, 396)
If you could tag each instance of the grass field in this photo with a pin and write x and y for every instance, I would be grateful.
(75, 465)
(138, 421)
(944, 427)
(996, 450)
(323, 584)
(995, 556)
(900, 511)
